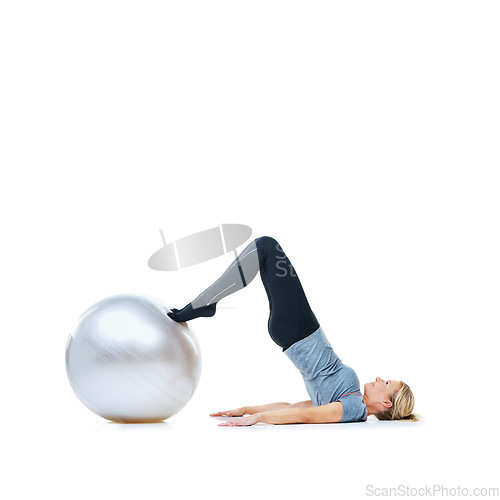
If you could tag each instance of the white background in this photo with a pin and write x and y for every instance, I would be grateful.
(363, 136)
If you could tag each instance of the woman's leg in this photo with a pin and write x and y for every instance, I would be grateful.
(290, 316)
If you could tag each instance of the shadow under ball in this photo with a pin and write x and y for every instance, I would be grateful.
(127, 361)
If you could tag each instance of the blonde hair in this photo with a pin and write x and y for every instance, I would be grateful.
(402, 406)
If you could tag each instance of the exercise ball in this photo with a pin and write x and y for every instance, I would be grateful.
(128, 362)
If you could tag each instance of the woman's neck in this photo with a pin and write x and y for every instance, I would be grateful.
(369, 408)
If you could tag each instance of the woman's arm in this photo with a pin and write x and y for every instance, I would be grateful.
(329, 413)
(302, 404)
(292, 416)
(252, 410)
(324, 414)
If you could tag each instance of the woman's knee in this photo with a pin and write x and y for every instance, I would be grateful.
(267, 241)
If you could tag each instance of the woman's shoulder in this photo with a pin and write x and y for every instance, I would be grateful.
(354, 407)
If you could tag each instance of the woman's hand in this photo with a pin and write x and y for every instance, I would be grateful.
(238, 412)
(250, 420)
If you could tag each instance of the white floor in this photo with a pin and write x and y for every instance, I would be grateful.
(84, 456)
(52, 444)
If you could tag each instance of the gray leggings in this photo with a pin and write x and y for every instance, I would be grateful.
(290, 317)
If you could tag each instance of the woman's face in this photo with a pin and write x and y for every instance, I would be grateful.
(381, 390)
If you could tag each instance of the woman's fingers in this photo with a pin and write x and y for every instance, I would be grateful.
(250, 420)
(228, 413)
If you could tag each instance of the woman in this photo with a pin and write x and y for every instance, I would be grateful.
(333, 387)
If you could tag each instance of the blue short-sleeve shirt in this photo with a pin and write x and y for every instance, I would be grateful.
(326, 378)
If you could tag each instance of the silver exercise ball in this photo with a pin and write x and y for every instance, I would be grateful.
(127, 361)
